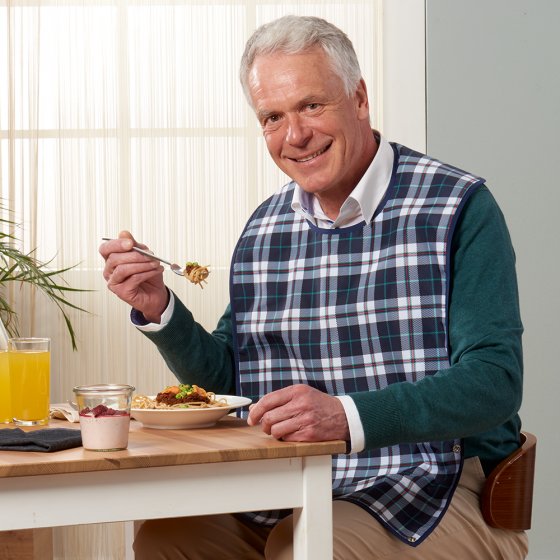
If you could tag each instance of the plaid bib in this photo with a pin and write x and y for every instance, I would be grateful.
(356, 309)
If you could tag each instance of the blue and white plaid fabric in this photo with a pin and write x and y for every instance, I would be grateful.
(356, 309)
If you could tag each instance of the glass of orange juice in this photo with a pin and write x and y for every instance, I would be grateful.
(5, 396)
(30, 367)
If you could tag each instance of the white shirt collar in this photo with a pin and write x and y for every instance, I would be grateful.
(362, 201)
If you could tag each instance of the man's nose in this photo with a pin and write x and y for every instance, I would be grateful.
(298, 132)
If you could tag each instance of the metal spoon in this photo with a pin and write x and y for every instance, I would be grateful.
(174, 267)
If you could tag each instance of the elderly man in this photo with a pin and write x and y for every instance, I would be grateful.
(373, 299)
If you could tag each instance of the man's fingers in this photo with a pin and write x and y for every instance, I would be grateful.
(300, 413)
(120, 245)
(269, 402)
(136, 274)
(123, 244)
(286, 430)
(125, 234)
(276, 416)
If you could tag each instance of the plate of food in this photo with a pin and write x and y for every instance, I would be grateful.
(180, 407)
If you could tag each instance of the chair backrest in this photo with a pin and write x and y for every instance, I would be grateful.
(507, 498)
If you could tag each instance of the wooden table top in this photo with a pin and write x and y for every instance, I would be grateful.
(231, 439)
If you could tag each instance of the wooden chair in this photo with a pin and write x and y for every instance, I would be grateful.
(507, 498)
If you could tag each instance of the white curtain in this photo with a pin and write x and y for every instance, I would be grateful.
(125, 114)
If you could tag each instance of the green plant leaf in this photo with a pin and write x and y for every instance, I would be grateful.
(16, 266)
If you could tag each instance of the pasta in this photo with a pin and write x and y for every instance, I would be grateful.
(196, 273)
(187, 396)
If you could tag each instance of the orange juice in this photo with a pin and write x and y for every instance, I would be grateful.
(30, 386)
(5, 400)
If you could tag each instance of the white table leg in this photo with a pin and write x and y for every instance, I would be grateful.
(128, 540)
(313, 538)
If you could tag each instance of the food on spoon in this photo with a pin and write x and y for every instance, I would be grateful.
(179, 396)
(196, 273)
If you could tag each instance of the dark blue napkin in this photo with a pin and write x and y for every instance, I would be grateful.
(46, 440)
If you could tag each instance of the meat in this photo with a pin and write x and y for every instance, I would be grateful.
(182, 394)
(171, 399)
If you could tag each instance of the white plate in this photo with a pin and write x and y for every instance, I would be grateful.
(185, 418)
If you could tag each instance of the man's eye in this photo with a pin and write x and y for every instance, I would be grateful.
(312, 106)
(270, 120)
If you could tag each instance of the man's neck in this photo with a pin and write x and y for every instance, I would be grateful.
(332, 203)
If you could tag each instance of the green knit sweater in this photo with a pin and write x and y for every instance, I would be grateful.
(477, 398)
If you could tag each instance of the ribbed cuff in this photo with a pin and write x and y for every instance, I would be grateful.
(380, 418)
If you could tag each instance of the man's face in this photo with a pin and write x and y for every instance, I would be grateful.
(315, 133)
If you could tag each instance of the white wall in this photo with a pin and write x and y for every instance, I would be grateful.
(493, 96)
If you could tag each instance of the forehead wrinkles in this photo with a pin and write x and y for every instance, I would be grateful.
(291, 93)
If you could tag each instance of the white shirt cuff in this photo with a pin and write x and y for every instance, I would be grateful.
(357, 436)
(165, 317)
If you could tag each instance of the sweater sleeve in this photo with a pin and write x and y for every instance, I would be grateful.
(193, 354)
(482, 388)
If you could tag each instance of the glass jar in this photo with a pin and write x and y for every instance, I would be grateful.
(104, 415)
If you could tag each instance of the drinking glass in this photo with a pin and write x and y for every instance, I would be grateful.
(30, 365)
(5, 397)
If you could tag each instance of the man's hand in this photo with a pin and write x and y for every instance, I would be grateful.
(300, 413)
(134, 278)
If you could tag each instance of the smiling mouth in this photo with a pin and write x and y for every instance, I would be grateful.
(313, 156)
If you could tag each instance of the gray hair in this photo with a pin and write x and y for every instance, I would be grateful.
(295, 34)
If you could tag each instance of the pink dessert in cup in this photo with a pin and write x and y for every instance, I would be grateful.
(104, 429)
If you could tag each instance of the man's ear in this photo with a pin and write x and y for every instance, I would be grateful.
(362, 103)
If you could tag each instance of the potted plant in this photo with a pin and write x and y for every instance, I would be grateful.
(17, 266)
